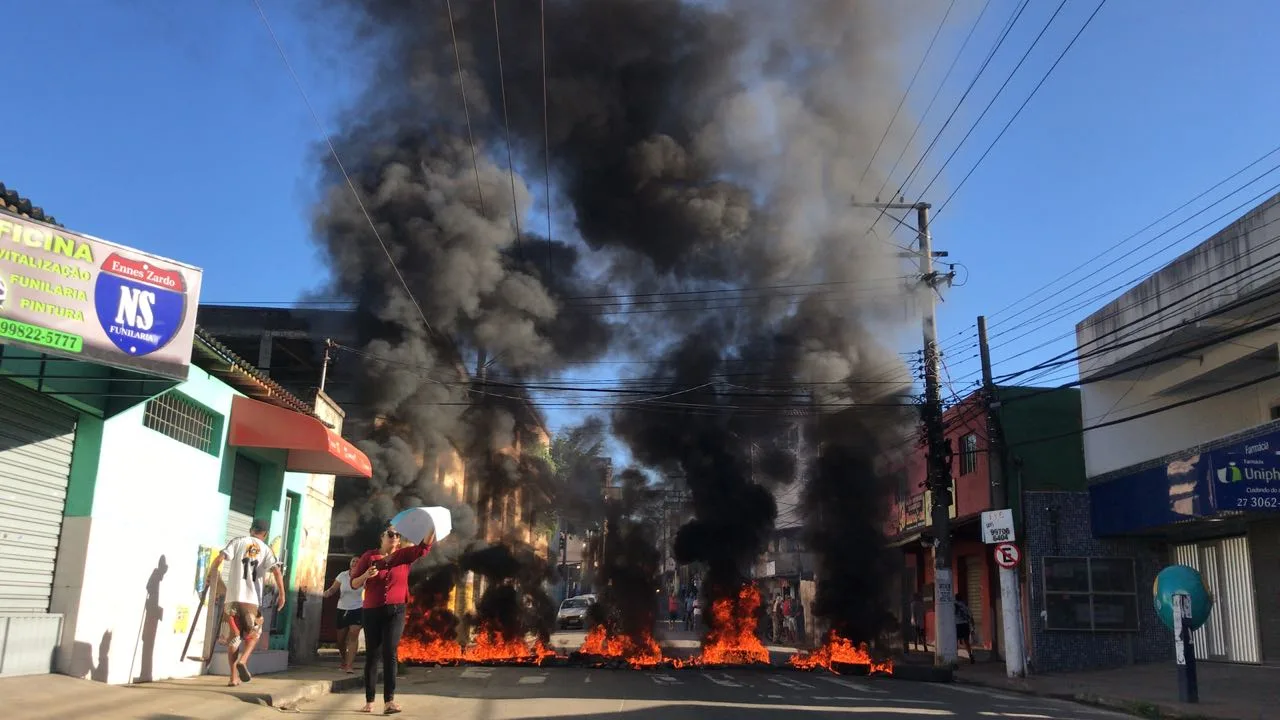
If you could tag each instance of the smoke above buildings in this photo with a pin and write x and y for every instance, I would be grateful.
(690, 147)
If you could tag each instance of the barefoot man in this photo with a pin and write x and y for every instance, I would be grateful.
(249, 559)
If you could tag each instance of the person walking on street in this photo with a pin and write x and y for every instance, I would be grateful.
(350, 603)
(249, 560)
(917, 623)
(384, 576)
(673, 611)
(964, 626)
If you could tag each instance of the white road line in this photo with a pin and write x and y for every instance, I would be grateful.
(725, 681)
(532, 680)
(665, 680)
(852, 685)
(476, 673)
(791, 683)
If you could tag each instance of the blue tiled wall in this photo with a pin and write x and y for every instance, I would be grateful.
(1057, 523)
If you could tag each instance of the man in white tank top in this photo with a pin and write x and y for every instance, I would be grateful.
(249, 559)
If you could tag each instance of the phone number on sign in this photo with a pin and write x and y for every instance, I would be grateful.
(1270, 502)
(44, 337)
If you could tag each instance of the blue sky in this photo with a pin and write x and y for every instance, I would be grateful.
(175, 128)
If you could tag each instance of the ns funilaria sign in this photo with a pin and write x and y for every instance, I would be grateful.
(76, 296)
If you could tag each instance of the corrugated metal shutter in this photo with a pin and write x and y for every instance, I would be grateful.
(974, 570)
(1238, 601)
(37, 436)
(244, 497)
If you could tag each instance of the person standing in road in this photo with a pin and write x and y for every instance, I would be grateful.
(249, 559)
(350, 603)
(673, 611)
(384, 575)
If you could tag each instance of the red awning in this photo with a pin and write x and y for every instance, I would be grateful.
(312, 447)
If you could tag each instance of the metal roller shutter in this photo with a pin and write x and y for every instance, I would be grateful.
(974, 570)
(37, 436)
(244, 497)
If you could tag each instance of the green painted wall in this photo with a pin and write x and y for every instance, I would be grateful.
(1044, 442)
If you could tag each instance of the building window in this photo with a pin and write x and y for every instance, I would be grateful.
(968, 454)
(1275, 412)
(1091, 594)
(174, 415)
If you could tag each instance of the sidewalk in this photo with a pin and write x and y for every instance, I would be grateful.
(61, 697)
(1227, 692)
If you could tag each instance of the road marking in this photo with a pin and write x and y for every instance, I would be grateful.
(532, 680)
(725, 681)
(852, 685)
(791, 683)
(665, 680)
(476, 673)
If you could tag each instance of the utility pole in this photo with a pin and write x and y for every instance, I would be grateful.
(1010, 590)
(324, 366)
(939, 452)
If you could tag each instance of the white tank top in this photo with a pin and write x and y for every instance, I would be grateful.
(349, 598)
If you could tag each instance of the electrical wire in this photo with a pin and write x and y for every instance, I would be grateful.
(1018, 112)
(333, 152)
(506, 124)
(546, 128)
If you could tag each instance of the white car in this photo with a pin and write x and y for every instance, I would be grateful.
(573, 612)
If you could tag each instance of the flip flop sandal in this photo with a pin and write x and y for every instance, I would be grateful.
(243, 672)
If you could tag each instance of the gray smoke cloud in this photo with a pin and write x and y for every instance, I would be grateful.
(692, 146)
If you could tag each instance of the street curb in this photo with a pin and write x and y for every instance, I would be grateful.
(1139, 708)
(305, 692)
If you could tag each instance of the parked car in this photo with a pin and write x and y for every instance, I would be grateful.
(573, 611)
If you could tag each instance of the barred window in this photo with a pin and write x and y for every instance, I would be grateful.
(968, 454)
(174, 415)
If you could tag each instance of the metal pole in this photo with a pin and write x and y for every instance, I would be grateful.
(324, 366)
(939, 470)
(1010, 589)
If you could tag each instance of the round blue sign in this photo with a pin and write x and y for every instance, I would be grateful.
(140, 306)
(1181, 579)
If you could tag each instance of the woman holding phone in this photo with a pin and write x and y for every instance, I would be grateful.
(384, 575)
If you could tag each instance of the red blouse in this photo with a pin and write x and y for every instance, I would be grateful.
(391, 585)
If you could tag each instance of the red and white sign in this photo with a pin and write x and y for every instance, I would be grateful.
(1007, 555)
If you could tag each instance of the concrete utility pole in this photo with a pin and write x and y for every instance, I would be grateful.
(939, 454)
(1010, 590)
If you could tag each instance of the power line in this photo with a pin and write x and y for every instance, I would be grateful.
(905, 94)
(992, 101)
(546, 128)
(1136, 234)
(1021, 107)
(333, 152)
(506, 124)
(466, 109)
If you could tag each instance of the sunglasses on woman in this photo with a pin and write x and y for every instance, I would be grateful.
(392, 534)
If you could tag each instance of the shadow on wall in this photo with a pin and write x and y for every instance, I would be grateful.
(152, 614)
(82, 664)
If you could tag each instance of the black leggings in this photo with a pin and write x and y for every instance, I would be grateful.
(382, 629)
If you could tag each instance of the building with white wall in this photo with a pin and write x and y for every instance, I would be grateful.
(134, 446)
(1181, 409)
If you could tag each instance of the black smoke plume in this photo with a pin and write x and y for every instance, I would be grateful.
(516, 602)
(691, 146)
(626, 561)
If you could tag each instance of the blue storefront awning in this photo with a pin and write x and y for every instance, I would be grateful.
(1240, 476)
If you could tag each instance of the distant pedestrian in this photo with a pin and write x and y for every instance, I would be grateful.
(350, 603)
(775, 615)
(673, 611)
(688, 613)
(697, 614)
(964, 626)
(917, 623)
(789, 619)
(384, 575)
(249, 559)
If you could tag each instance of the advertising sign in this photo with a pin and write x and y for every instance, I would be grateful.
(997, 526)
(1246, 476)
(76, 296)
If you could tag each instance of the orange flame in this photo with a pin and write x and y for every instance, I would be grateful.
(732, 639)
(641, 652)
(492, 646)
(839, 650)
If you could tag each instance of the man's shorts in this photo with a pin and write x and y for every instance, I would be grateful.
(347, 618)
(243, 624)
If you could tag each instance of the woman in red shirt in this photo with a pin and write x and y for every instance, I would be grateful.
(384, 575)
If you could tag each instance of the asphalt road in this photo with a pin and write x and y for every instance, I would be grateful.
(519, 693)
